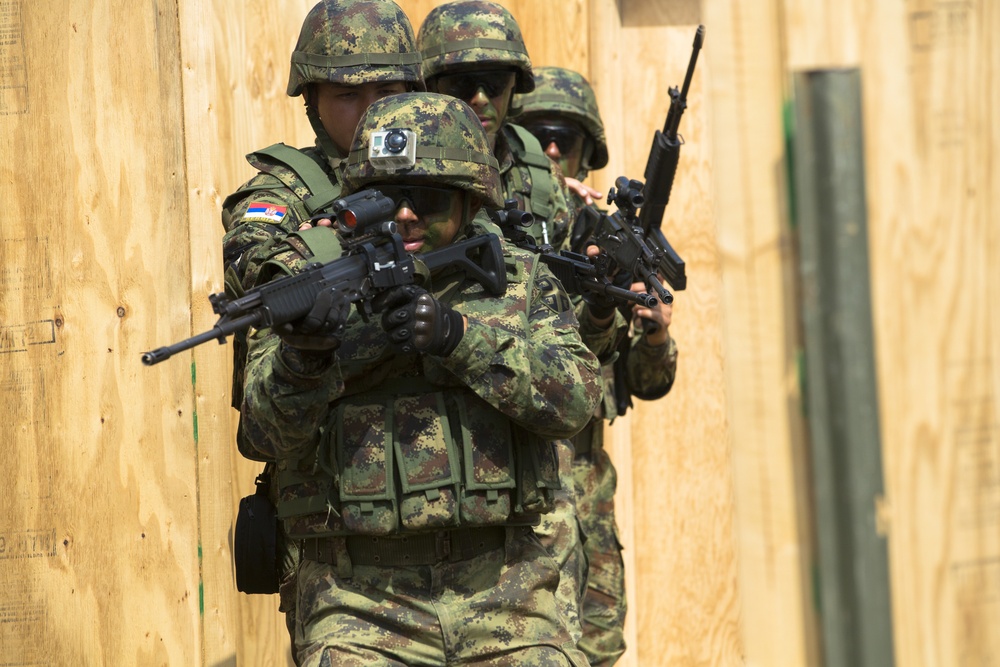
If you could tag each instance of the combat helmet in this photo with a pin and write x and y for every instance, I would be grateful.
(471, 34)
(353, 42)
(449, 146)
(563, 92)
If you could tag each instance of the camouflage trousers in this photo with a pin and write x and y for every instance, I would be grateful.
(561, 535)
(604, 606)
(288, 559)
(497, 609)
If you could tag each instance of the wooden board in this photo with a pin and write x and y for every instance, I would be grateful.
(123, 127)
(759, 341)
(235, 56)
(99, 528)
(686, 599)
(930, 111)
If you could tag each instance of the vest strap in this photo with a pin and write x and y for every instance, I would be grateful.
(539, 167)
(324, 190)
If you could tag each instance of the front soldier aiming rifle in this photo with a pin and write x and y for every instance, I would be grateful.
(370, 259)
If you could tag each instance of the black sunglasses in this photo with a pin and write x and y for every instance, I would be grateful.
(567, 138)
(465, 86)
(424, 200)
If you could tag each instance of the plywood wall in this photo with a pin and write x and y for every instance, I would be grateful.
(929, 96)
(99, 528)
(122, 126)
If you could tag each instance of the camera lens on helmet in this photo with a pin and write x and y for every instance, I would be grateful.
(395, 141)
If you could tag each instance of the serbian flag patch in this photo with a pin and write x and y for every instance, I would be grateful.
(264, 212)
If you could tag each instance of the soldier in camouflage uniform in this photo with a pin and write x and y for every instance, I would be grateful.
(562, 113)
(474, 50)
(414, 446)
(349, 53)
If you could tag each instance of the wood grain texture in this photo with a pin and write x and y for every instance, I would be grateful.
(760, 340)
(930, 110)
(235, 57)
(98, 533)
(120, 141)
(687, 594)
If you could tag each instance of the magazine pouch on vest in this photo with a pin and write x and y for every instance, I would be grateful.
(455, 466)
(255, 546)
(538, 471)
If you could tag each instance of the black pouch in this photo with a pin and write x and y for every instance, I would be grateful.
(255, 544)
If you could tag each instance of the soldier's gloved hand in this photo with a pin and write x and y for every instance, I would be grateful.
(601, 306)
(319, 331)
(417, 322)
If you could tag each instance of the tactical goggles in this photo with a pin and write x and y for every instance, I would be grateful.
(567, 138)
(424, 200)
(464, 86)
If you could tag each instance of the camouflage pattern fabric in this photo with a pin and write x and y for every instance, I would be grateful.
(517, 184)
(604, 605)
(341, 41)
(251, 234)
(542, 373)
(440, 122)
(473, 34)
(563, 93)
(520, 360)
(562, 536)
(493, 610)
(530, 365)
(353, 42)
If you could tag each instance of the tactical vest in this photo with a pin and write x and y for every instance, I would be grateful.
(406, 448)
(530, 180)
(299, 171)
(280, 167)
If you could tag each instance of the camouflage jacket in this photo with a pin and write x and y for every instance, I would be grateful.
(274, 202)
(520, 367)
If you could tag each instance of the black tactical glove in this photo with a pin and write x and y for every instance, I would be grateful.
(602, 306)
(318, 332)
(417, 322)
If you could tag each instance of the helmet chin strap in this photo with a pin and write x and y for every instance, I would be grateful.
(333, 156)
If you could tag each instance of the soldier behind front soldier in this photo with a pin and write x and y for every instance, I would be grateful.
(562, 113)
(348, 54)
(414, 446)
(474, 50)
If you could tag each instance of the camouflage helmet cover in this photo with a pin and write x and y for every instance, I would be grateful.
(353, 42)
(452, 148)
(471, 34)
(563, 92)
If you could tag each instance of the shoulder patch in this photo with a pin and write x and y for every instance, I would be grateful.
(552, 294)
(264, 212)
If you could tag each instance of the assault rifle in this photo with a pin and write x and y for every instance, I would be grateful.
(579, 273)
(371, 259)
(661, 168)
